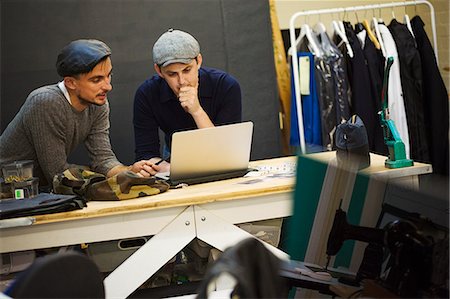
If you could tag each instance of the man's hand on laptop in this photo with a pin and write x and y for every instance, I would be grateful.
(155, 165)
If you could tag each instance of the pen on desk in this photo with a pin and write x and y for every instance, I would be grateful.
(160, 161)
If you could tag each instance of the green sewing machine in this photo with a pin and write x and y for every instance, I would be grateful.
(397, 154)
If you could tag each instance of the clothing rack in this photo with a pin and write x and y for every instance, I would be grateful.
(341, 10)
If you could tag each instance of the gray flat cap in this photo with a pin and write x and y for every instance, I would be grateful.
(81, 56)
(175, 46)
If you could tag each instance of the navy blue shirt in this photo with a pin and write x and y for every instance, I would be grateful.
(157, 107)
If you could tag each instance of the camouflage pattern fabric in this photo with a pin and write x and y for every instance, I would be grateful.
(125, 185)
(95, 186)
(75, 181)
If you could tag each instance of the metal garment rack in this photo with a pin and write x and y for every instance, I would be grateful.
(340, 10)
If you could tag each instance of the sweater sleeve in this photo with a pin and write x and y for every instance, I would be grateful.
(98, 143)
(44, 126)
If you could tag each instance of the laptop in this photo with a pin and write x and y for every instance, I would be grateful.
(209, 154)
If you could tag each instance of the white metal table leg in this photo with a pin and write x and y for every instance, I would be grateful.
(154, 254)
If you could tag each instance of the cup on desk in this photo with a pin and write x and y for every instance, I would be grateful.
(25, 189)
(19, 176)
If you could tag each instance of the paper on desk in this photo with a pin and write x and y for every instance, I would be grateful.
(22, 221)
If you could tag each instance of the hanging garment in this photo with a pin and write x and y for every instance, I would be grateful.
(335, 59)
(332, 89)
(412, 86)
(325, 90)
(375, 65)
(363, 103)
(310, 111)
(396, 103)
(436, 114)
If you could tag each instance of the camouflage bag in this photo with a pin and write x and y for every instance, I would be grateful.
(75, 181)
(125, 185)
(95, 186)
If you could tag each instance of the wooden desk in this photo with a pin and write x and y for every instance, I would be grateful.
(206, 211)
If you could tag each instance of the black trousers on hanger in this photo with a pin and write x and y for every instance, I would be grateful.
(363, 102)
(375, 65)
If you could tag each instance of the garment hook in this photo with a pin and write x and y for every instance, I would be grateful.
(393, 13)
(415, 7)
(356, 15)
(404, 3)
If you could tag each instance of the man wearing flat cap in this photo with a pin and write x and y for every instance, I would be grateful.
(56, 118)
(182, 96)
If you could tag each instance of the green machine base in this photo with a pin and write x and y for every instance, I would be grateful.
(398, 163)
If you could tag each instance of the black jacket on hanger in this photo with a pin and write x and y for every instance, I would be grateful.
(412, 86)
(375, 65)
(363, 103)
(435, 94)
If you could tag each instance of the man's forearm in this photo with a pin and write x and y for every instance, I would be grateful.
(202, 119)
(117, 169)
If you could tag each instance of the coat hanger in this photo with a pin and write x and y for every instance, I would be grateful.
(360, 31)
(393, 13)
(370, 33)
(407, 22)
(327, 46)
(339, 30)
(378, 34)
(358, 26)
(380, 20)
(306, 31)
(319, 27)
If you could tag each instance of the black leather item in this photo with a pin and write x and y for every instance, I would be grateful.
(352, 145)
(255, 269)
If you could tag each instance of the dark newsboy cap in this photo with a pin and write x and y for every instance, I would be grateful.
(81, 56)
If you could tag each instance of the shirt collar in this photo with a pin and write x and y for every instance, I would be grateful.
(63, 88)
(205, 87)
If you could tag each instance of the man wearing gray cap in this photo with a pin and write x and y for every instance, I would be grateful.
(182, 96)
(56, 118)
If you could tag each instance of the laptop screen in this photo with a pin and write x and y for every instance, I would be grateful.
(210, 151)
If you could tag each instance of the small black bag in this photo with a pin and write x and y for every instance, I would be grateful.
(352, 144)
(43, 203)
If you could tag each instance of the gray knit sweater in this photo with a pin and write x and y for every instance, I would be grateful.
(47, 129)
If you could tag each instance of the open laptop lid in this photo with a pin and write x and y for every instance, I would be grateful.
(210, 151)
